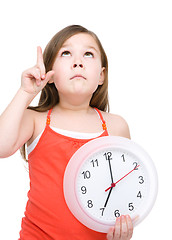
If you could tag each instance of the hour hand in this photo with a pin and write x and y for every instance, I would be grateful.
(108, 198)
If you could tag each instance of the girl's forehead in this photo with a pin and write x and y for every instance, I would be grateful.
(82, 39)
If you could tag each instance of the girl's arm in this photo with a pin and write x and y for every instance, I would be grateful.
(17, 122)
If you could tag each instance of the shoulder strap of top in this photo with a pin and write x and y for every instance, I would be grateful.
(102, 119)
(48, 117)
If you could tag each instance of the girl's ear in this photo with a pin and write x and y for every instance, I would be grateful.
(102, 76)
(51, 80)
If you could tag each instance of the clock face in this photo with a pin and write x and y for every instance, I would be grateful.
(111, 183)
(109, 177)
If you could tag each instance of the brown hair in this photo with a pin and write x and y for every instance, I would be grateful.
(49, 96)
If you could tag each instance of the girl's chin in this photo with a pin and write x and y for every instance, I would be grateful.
(78, 87)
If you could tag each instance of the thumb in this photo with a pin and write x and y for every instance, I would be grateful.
(45, 79)
(49, 76)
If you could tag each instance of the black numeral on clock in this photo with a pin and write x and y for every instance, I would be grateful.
(102, 209)
(123, 158)
(95, 163)
(117, 213)
(86, 174)
(90, 203)
(139, 195)
(130, 206)
(141, 180)
(135, 165)
(108, 155)
(84, 190)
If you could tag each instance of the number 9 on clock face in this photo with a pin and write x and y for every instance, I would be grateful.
(109, 177)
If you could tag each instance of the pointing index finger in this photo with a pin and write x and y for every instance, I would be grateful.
(39, 56)
(40, 61)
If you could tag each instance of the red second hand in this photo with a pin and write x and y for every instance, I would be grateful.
(114, 184)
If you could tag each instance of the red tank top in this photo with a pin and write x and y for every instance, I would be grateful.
(47, 215)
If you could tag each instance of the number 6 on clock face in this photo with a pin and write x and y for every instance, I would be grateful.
(109, 177)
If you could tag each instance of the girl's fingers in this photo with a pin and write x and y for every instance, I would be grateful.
(32, 73)
(117, 232)
(110, 234)
(130, 226)
(40, 62)
(34, 79)
(43, 82)
(41, 67)
(123, 229)
(39, 56)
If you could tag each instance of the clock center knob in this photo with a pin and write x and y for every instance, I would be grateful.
(113, 185)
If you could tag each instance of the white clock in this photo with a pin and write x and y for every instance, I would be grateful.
(109, 177)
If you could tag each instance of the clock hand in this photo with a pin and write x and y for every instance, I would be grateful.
(108, 198)
(110, 170)
(114, 184)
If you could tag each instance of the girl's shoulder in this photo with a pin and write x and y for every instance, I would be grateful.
(39, 119)
(116, 125)
(36, 115)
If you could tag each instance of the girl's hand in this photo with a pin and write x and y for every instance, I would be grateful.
(123, 229)
(34, 79)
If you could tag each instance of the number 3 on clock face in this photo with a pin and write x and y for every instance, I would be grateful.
(109, 177)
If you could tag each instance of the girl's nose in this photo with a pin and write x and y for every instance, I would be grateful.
(75, 65)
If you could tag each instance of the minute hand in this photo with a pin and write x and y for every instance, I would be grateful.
(110, 168)
(114, 184)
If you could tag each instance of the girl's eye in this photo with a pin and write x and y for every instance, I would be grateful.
(65, 53)
(89, 54)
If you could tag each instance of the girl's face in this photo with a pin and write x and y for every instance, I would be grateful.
(78, 68)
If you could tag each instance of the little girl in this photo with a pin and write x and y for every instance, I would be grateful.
(73, 77)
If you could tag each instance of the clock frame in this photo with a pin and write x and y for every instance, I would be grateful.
(106, 169)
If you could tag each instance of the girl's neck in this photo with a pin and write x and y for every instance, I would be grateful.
(85, 108)
(75, 105)
(75, 101)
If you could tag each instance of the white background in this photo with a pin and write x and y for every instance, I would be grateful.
(137, 37)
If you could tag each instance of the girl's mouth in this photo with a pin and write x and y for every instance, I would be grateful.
(77, 76)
